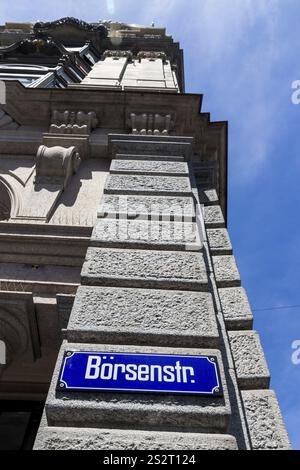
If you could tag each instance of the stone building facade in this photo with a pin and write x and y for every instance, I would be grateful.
(113, 191)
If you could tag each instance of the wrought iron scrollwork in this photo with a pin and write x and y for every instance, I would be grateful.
(98, 28)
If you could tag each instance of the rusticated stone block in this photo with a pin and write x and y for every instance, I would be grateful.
(140, 316)
(55, 438)
(213, 217)
(145, 207)
(144, 185)
(265, 424)
(236, 309)
(125, 233)
(145, 268)
(149, 167)
(226, 271)
(208, 196)
(219, 242)
(161, 412)
(250, 363)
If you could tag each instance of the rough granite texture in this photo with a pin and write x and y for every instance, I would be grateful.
(145, 268)
(208, 196)
(213, 217)
(155, 185)
(236, 309)
(249, 359)
(128, 156)
(226, 271)
(140, 316)
(145, 234)
(163, 412)
(265, 424)
(144, 207)
(118, 439)
(219, 242)
(149, 167)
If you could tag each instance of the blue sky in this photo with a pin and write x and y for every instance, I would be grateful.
(243, 55)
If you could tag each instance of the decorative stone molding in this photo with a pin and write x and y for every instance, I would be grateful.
(151, 124)
(151, 55)
(7, 122)
(73, 122)
(56, 165)
(117, 53)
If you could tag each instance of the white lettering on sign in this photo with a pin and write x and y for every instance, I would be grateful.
(96, 369)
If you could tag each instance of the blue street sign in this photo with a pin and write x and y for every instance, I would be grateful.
(150, 373)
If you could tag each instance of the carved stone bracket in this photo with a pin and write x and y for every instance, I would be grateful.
(118, 54)
(56, 165)
(151, 124)
(151, 55)
(73, 122)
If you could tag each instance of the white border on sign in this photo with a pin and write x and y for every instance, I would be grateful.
(137, 389)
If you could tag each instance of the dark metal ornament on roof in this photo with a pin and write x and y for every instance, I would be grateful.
(98, 28)
(38, 45)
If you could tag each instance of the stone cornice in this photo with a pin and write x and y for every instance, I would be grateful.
(112, 109)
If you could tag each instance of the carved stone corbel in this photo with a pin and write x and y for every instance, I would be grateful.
(73, 122)
(151, 124)
(118, 54)
(151, 55)
(56, 165)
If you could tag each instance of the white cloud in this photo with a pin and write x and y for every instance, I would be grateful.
(231, 48)
(236, 46)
